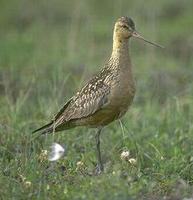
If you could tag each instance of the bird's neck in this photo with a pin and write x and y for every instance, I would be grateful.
(120, 52)
(120, 45)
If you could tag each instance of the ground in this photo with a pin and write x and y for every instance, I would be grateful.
(47, 51)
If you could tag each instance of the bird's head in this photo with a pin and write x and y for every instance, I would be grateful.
(125, 28)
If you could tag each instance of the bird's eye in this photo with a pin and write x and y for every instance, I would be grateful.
(124, 26)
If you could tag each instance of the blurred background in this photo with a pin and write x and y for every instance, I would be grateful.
(48, 49)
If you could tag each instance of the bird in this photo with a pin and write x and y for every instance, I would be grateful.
(107, 96)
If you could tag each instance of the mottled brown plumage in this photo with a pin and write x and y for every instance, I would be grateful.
(108, 95)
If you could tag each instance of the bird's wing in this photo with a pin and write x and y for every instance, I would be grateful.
(61, 111)
(86, 102)
(48, 127)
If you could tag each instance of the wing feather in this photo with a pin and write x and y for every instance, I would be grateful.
(86, 102)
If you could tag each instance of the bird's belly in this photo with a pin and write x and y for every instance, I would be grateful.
(105, 116)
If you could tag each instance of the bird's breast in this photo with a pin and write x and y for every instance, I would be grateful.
(122, 92)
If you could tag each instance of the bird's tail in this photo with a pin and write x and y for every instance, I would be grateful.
(48, 128)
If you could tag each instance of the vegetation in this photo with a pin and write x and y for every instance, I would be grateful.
(47, 50)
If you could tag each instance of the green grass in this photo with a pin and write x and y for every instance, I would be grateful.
(48, 49)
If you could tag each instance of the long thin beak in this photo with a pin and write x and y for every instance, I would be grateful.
(137, 35)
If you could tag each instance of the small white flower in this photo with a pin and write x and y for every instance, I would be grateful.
(125, 155)
(56, 152)
(79, 164)
(27, 184)
(133, 161)
(43, 156)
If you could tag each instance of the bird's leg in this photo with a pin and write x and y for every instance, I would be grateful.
(99, 167)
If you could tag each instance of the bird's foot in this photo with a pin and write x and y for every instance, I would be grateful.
(99, 169)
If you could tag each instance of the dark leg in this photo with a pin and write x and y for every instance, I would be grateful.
(99, 168)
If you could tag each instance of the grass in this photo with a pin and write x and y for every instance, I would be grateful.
(47, 51)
